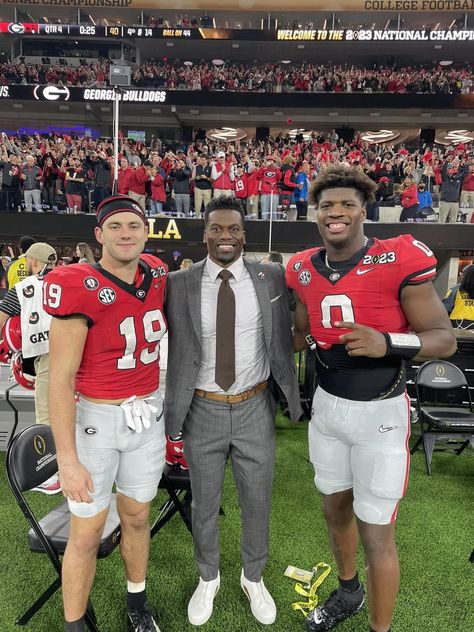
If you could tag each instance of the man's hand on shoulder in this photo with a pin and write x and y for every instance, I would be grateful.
(362, 340)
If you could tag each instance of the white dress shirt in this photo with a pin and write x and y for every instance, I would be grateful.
(251, 361)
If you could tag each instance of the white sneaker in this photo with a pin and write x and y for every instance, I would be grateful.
(201, 603)
(261, 602)
(49, 487)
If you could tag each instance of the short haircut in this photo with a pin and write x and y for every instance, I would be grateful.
(275, 257)
(223, 203)
(341, 176)
(25, 242)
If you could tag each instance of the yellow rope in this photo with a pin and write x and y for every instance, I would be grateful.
(312, 598)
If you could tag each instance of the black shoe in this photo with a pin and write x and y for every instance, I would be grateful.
(143, 620)
(338, 606)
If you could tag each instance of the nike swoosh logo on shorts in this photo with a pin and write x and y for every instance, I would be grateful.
(360, 272)
(383, 428)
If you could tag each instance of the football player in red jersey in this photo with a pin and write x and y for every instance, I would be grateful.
(106, 411)
(366, 305)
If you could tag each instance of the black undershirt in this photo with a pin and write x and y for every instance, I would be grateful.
(357, 378)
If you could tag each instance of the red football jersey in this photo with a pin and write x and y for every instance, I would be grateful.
(126, 323)
(269, 176)
(240, 186)
(365, 292)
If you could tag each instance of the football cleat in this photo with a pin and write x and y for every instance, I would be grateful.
(49, 487)
(338, 606)
(142, 620)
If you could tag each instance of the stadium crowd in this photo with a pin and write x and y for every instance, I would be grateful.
(248, 77)
(70, 174)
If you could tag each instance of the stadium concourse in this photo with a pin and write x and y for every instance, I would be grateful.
(257, 105)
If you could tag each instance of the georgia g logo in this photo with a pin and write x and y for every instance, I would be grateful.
(16, 28)
(51, 93)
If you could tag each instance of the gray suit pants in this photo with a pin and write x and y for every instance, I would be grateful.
(245, 432)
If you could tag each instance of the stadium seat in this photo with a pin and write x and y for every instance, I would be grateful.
(444, 407)
(31, 460)
(177, 484)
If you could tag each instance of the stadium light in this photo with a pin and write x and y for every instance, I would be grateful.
(380, 136)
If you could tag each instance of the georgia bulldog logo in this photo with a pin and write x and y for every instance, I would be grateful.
(270, 174)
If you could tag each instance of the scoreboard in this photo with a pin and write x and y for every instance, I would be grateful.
(288, 35)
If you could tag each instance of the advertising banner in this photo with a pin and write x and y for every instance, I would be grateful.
(277, 35)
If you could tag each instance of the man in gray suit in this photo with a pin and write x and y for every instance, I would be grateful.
(229, 343)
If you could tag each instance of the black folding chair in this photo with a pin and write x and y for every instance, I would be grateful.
(177, 484)
(444, 407)
(31, 460)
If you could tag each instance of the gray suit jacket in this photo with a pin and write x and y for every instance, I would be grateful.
(183, 311)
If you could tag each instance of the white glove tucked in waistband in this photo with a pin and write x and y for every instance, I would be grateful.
(138, 412)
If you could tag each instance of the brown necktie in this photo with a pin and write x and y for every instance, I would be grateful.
(225, 333)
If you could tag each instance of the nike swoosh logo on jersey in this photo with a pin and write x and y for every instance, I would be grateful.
(360, 272)
(383, 428)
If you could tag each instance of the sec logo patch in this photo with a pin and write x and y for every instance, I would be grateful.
(304, 277)
(107, 295)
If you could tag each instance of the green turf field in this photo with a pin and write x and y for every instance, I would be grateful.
(435, 538)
